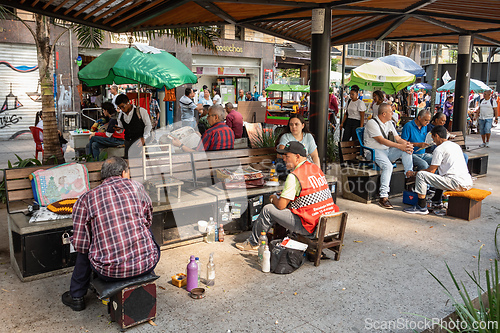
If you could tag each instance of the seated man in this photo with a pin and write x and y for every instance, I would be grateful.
(109, 138)
(415, 132)
(453, 175)
(234, 120)
(381, 135)
(305, 197)
(218, 137)
(111, 232)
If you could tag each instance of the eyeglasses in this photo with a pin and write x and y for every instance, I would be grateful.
(210, 115)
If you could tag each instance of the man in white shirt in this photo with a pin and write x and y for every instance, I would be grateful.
(381, 135)
(453, 174)
(486, 112)
(114, 93)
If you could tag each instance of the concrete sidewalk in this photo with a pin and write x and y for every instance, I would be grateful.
(380, 280)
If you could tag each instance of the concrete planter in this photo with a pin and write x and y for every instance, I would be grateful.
(334, 169)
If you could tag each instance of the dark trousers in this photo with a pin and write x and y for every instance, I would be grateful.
(350, 126)
(128, 144)
(80, 280)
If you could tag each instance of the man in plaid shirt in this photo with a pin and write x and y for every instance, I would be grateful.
(111, 232)
(218, 137)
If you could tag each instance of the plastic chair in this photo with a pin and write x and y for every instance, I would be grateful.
(360, 131)
(35, 131)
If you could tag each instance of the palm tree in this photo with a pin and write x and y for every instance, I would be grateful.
(88, 37)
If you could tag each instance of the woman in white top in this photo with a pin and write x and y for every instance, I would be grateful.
(262, 98)
(378, 98)
(205, 99)
(298, 131)
(354, 116)
(217, 100)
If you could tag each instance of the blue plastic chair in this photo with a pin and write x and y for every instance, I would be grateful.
(360, 131)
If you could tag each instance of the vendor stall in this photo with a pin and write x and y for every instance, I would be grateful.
(278, 109)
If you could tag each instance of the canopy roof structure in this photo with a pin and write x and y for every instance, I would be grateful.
(428, 21)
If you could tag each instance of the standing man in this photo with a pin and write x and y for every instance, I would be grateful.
(234, 120)
(188, 108)
(305, 197)
(135, 121)
(453, 175)
(218, 137)
(114, 94)
(241, 96)
(381, 135)
(485, 114)
(415, 132)
(249, 97)
(448, 110)
(111, 232)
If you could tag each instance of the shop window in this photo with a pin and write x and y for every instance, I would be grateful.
(239, 33)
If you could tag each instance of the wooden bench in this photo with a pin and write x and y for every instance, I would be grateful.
(36, 249)
(360, 182)
(478, 161)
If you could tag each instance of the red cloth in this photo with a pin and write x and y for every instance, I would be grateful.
(111, 223)
(115, 135)
(315, 198)
(334, 103)
(234, 120)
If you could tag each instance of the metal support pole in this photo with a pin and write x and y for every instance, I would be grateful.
(435, 79)
(320, 78)
(461, 100)
(344, 51)
(489, 67)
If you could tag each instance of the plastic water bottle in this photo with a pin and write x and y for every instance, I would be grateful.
(262, 245)
(197, 260)
(192, 274)
(221, 233)
(211, 231)
(210, 271)
(216, 233)
(273, 176)
(266, 260)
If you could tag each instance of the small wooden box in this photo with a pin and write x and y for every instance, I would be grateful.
(133, 305)
(464, 208)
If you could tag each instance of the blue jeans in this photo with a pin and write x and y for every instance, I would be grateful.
(422, 161)
(484, 126)
(384, 159)
(97, 142)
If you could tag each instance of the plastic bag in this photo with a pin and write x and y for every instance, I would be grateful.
(283, 260)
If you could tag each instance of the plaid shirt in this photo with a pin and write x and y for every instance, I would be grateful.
(111, 223)
(217, 137)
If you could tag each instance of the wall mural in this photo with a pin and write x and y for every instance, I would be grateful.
(21, 69)
(10, 103)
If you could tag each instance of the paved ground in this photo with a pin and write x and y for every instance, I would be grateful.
(380, 278)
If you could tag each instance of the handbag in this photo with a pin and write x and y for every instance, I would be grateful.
(389, 136)
(285, 260)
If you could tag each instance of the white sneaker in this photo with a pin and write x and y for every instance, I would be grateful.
(487, 145)
(482, 145)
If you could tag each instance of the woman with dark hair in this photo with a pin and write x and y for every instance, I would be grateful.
(109, 138)
(297, 131)
(354, 115)
(378, 98)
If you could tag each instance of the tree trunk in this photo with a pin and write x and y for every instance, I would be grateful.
(51, 144)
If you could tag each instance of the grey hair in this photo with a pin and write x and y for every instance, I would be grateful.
(229, 105)
(218, 110)
(423, 113)
(382, 107)
(113, 166)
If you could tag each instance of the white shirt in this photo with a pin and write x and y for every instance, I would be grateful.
(262, 98)
(355, 107)
(372, 130)
(450, 159)
(217, 100)
(144, 116)
(113, 99)
(375, 107)
(486, 109)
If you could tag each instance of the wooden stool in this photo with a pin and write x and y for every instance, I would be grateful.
(465, 205)
(329, 235)
(131, 301)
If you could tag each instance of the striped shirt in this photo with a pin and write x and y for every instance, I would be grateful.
(217, 137)
(111, 223)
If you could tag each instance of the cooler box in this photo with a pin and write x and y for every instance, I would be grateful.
(410, 198)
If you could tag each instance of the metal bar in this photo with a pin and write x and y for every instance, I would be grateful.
(272, 33)
(396, 24)
(216, 10)
(153, 13)
(461, 102)
(363, 28)
(270, 15)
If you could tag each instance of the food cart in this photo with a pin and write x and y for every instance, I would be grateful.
(278, 110)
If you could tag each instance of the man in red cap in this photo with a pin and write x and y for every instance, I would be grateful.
(305, 197)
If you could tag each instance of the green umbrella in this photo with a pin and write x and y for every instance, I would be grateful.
(131, 66)
(378, 74)
(287, 87)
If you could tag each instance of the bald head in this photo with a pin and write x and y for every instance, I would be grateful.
(384, 107)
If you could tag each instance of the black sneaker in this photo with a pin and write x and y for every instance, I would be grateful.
(416, 210)
(75, 303)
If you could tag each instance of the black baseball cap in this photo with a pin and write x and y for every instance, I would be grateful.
(293, 147)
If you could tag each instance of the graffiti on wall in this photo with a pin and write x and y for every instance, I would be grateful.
(10, 103)
(65, 96)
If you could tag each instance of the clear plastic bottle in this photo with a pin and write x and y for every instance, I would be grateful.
(221, 233)
(197, 260)
(266, 260)
(273, 176)
(211, 231)
(210, 271)
(262, 245)
(216, 234)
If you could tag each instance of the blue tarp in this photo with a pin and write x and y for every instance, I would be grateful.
(404, 63)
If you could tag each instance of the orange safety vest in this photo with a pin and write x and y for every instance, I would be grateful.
(315, 198)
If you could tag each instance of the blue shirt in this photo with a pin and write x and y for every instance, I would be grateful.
(412, 133)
